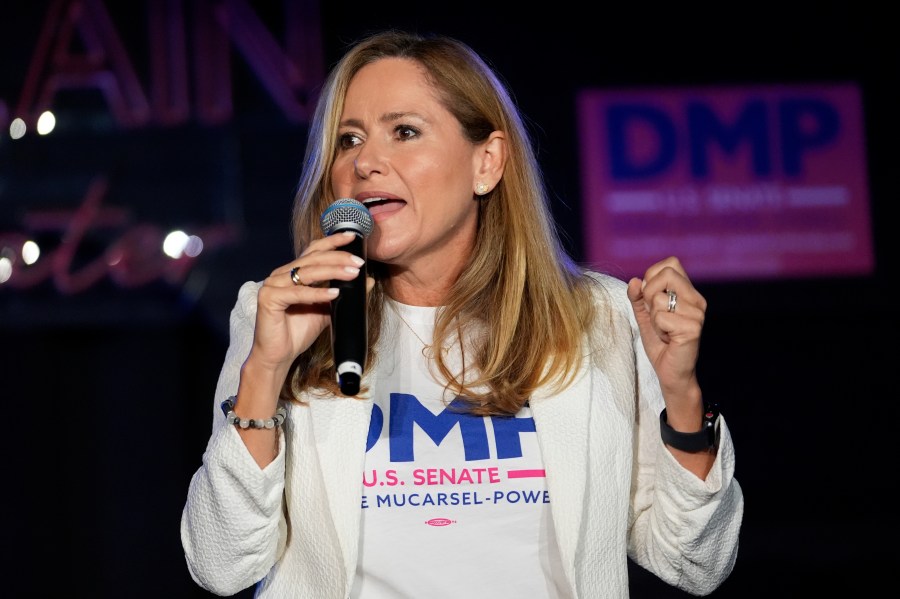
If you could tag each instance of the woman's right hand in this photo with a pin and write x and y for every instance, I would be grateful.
(290, 316)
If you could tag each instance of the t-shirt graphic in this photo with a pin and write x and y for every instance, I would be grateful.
(454, 505)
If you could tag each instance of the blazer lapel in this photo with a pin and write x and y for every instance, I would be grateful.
(340, 426)
(562, 431)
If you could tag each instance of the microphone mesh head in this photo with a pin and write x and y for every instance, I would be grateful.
(346, 214)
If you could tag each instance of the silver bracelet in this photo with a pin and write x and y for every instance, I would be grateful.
(231, 417)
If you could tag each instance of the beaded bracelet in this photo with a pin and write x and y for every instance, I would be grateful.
(231, 417)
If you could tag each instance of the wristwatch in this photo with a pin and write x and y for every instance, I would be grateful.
(704, 439)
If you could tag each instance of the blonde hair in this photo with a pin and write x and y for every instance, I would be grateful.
(521, 299)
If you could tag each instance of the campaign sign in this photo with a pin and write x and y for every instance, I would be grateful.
(750, 182)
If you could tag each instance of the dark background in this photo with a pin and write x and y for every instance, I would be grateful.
(107, 393)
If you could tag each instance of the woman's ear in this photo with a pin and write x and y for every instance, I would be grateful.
(490, 160)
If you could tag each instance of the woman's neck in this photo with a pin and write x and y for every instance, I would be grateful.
(419, 288)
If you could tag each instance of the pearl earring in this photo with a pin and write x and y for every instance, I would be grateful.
(482, 188)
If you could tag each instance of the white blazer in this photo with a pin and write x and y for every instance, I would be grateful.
(616, 490)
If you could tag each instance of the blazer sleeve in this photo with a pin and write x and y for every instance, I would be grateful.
(683, 529)
(232, 525)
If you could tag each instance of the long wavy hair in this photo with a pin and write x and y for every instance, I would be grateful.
(521, 303)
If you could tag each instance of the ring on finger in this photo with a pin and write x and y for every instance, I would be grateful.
(295, 276)
(673, 301)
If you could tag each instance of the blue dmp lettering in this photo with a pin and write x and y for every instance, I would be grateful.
(795, 140)
(407, 411)
(799, 125)
(506, 435)
(706, 128)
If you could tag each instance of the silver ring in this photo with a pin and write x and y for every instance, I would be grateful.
(295, 276)
(673, 301)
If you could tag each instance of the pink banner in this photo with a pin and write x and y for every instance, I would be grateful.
(738, 182)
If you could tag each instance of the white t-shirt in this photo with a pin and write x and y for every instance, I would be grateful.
(453, 505)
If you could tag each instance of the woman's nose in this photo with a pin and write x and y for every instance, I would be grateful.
(368, 162)
(359, 168)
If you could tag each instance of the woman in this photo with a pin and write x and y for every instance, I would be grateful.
(508, 437)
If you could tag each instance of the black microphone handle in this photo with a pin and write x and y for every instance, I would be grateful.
(349, 333)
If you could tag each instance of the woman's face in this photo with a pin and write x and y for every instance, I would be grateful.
(403, 154)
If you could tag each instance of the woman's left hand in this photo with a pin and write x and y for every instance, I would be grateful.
(670, 314)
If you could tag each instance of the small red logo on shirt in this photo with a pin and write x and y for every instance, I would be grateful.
(440, 522)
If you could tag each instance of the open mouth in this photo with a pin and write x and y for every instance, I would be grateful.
(382, 205)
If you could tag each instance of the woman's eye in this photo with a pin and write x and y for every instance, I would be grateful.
(405, 132)
(348, 140)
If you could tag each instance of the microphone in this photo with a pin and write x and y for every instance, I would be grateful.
(349, 330)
